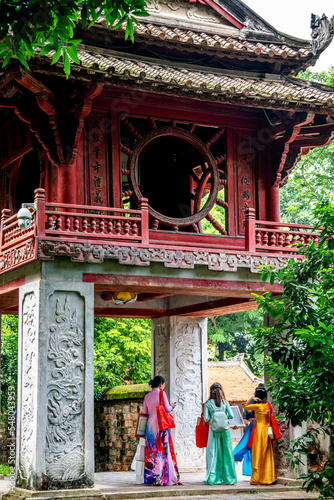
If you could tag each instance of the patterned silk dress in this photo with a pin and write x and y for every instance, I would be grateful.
(263, 466)
(160, 461)
(220, 467)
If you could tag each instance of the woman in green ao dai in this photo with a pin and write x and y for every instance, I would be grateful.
(220, 466)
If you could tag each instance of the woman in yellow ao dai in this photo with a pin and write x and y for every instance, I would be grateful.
(263, 466)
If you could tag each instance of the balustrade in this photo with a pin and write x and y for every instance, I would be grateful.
(266, 236)
(92, 224)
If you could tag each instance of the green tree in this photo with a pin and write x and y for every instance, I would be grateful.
(300, 344)
(230, 333)
(122, 352)
(9, 327)
(31, 27)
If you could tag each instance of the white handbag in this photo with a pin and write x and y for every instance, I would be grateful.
(270, 432)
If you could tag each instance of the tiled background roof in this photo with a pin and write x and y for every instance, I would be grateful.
(237, 384)
(229, 43)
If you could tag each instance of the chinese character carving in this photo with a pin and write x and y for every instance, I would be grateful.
(96, 150)
(96, 123)
(245, 181)
(97, 166)
(98, 198)
(96, 137)
(97, 181)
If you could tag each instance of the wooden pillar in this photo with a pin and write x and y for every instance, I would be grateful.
(273, 205)
(67, 183)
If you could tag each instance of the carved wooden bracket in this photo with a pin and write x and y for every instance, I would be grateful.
(283, 157)
(56, 124)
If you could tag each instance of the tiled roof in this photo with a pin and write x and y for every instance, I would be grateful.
(228, 43)
(238, 382)
(250, 89)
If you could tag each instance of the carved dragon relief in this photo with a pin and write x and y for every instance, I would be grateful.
(188, 391)
(64, 453)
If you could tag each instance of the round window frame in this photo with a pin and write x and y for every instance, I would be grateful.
(207, 158)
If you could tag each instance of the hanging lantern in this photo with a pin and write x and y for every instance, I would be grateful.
(124, 298)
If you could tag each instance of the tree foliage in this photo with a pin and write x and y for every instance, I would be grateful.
(9, 326)
(122, 352)
(300, 344)
(230, 333)
(30, 27)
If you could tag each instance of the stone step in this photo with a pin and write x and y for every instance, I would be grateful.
(213, 493)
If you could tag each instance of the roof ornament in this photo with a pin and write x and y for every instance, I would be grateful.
(322, 32)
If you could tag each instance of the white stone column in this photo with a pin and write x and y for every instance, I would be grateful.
(55, 425)
(180, 356)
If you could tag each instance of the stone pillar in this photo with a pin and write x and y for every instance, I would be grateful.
(55, 411)
(180, 355)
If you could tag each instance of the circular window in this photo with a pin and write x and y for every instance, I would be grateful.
(172, 168)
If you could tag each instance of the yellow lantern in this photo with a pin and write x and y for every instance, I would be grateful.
(124, 298)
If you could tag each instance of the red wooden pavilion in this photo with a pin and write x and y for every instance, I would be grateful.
(154, 169)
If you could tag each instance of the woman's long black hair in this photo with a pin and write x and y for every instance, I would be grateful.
(261, 393)
(156, 381)
(217, 393)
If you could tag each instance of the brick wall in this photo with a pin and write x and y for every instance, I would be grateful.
(115, 421)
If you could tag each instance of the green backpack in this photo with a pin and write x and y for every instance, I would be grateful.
(219, 421)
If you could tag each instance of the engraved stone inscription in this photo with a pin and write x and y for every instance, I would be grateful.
(28, 388)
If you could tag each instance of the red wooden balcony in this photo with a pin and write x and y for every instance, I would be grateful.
(62, 224)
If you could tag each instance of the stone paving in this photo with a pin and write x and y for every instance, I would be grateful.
(122, 486)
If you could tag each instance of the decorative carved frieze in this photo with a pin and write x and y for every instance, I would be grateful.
(178, 11)
(161, 348)
(64, 452)
(19, 254)
(171, 258)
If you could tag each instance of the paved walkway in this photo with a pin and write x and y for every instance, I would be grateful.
(122, 486)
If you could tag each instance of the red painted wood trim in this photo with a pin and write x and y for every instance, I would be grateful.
(40, 212)
(190, 286)
(128, 312)
(192, 239)
(204, 308)
(263, 160)
(12, 285)
(144, 221)
(225, 14)
(115, 159)
(231, 187)
(250, 230)
(185, 110)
